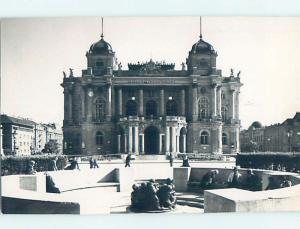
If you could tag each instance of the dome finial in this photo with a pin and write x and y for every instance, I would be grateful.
(200, 28)
(102, 28)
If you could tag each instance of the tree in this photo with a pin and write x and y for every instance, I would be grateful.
(51, 147)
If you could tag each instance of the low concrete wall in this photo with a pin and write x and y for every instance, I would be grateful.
(238, 200)
(67, 180)
(181, 178)
(11, 205)
(222, 205)
(125, 178)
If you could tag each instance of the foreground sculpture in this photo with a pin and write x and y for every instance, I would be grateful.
(152, 196)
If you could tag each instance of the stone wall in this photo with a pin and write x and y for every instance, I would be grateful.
(12, 205)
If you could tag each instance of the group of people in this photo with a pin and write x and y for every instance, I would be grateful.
(276, 182)
(284, 167)
(251, 182)
(152, 196)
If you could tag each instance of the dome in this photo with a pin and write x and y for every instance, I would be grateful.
(202, 47)
(256, 125)
(101, 47)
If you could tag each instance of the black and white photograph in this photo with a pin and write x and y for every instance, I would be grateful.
(168, 115)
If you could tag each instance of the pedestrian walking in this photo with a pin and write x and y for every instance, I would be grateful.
(127, 160)
(95, 164)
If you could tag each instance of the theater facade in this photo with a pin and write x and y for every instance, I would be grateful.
(151, 108)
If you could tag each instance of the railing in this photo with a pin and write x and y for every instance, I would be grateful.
(175, 118)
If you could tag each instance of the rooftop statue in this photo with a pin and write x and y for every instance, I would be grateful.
(71, 72)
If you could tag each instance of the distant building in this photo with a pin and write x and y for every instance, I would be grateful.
(24, 137)
(284, 137)
(40, 137)
(53, 133)
(18, 135)
(151, 108)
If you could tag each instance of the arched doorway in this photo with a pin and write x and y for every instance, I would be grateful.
(151, 140)
(151, 108)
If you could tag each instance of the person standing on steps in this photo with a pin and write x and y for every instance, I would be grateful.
(171, 159)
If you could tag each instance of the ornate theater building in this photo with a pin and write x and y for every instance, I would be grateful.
(151, 108)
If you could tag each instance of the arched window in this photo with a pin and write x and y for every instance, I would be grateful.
(204, 138)
(99, 138)
(203, 108)
(224, 139)
(151, 108)
(99, 109)
(224, 113)
(131, 108)
(171, 108)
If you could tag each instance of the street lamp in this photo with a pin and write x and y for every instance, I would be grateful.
(14, 140)
(269, 140)
(289, 135)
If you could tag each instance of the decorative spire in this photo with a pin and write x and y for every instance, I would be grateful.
(102, 28)
(200, 28)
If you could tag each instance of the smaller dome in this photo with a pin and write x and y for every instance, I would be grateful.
(256, 125)
(101, 47)
(202, 47)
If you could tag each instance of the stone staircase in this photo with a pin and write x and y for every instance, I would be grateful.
(190, 199)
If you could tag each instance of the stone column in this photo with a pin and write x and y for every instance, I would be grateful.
(125, 143)
(82, 104)
(70, 107)
(141, 102)
(220, 139)
(136, 139)
(160, 143)
(162, 102)
(167, 138)
(108, 101)
(195, 103)
(66, 105)
(237, 103)
(237, 139)
(173, 139)
(184, 143)
(214, 101)
(182, 102)
(177, 143)
(120, 102)
(219, 92)
(89, 99)
(142, 144)
(119, 143)
(1, 144)
(233, 104)
(130, 139)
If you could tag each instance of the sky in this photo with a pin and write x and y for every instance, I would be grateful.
(35, 51)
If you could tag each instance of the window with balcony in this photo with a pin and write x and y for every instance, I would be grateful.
(99, 138)
(203, 108)
(224, 139)
(224, 113)
(131, 108)
(151, 108)
(171, 108)
(99, 109)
